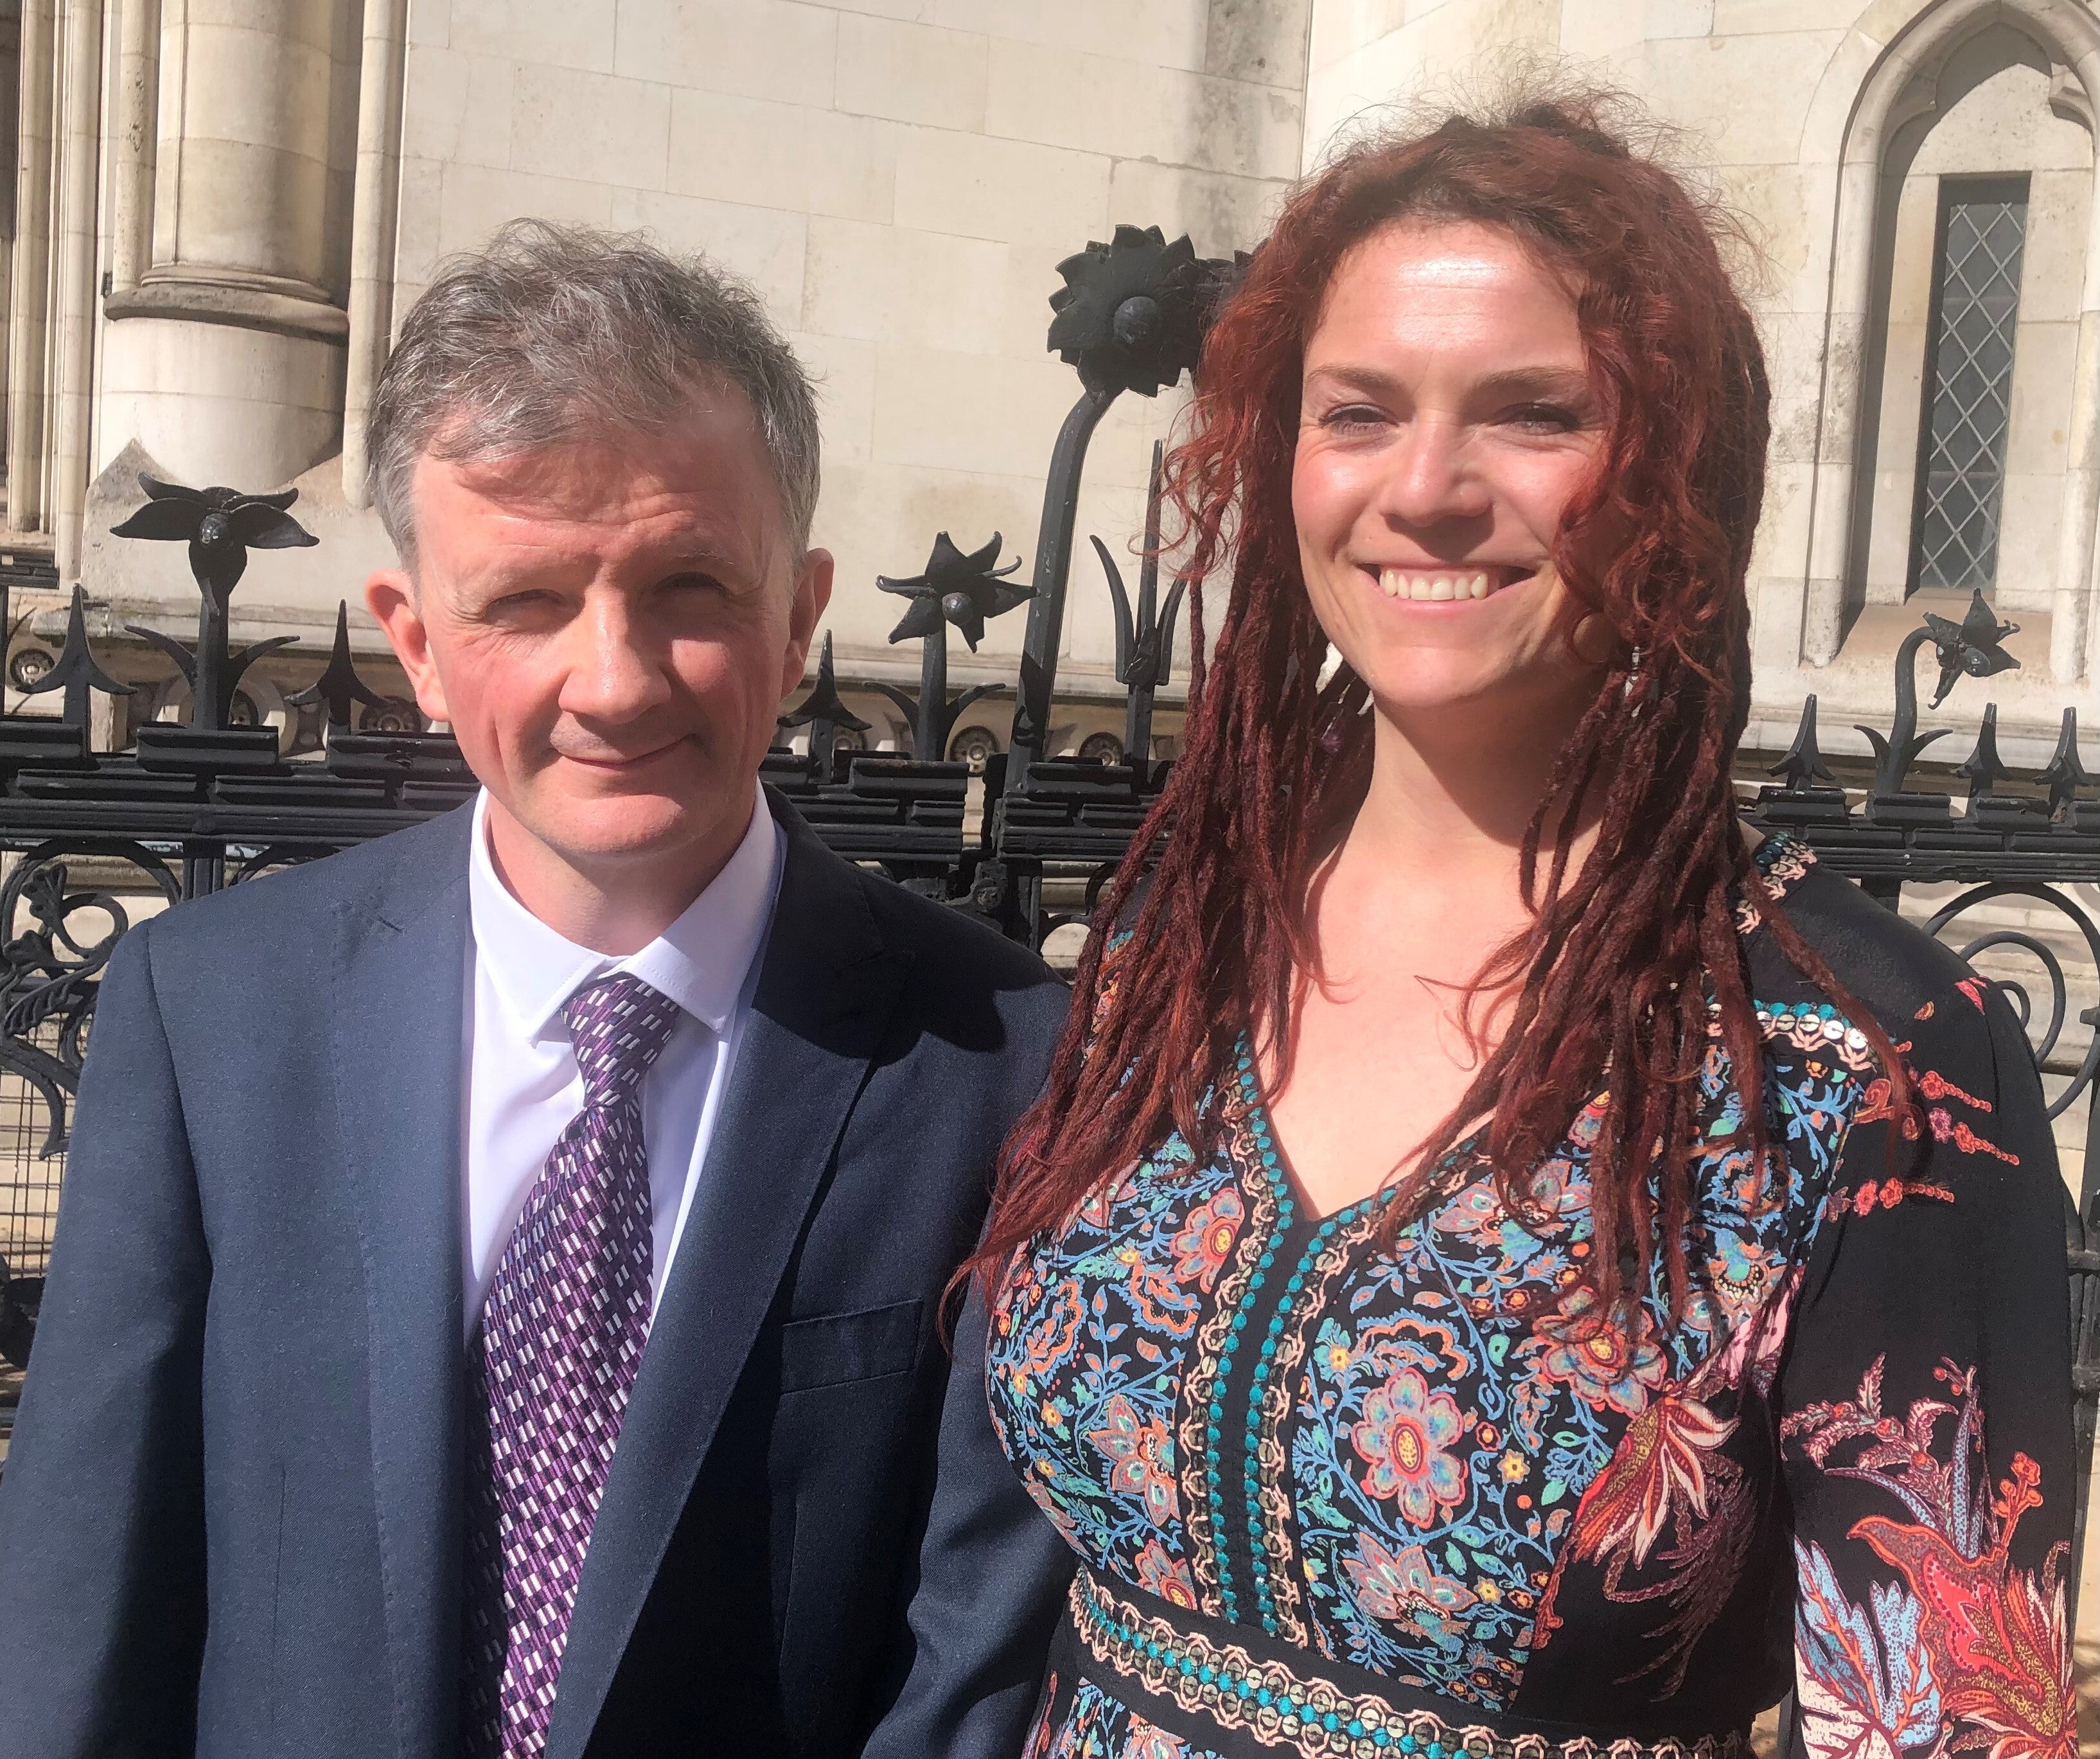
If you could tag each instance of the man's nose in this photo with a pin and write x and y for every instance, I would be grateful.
(614, 664)
(1430, 480)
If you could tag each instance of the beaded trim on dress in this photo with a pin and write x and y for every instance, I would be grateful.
(1162, 1663)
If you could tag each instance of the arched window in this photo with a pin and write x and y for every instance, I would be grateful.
(1986, 199)
(1961, 417)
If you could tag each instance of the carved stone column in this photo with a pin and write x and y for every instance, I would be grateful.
(29, 300)
(225, 360)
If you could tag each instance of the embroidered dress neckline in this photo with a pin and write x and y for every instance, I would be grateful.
(1275, 1168)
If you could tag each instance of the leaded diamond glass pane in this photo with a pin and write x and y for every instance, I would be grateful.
(1976, 301)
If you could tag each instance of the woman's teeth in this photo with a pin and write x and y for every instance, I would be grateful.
(1407, 582)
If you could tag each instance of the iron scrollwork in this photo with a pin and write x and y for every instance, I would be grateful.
(49, 977)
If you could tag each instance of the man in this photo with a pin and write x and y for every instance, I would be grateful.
(496, 1308)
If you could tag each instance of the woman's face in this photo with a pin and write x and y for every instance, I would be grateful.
(1447, 421)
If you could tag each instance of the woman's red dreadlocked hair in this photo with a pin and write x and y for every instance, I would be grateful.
(1628, 964)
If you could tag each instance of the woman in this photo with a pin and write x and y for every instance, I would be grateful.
(1511, 1257)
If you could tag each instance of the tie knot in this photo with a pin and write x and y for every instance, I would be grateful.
(617, 1026)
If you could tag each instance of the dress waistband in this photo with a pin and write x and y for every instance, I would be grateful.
(1246, 1696)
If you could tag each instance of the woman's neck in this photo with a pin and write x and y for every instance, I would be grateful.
(1452, 795)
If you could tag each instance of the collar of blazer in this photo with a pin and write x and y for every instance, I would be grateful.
(828, 986)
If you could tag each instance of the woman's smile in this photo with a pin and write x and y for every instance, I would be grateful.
(1449, 582)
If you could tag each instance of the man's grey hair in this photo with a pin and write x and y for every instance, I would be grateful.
(552, 332)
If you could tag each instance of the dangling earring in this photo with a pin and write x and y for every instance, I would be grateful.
(1330, 734)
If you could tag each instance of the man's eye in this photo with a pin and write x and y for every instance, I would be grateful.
(692, 581)
(518, 604)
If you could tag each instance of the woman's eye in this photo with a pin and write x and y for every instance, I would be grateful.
(1545, 418)
(1353, 418)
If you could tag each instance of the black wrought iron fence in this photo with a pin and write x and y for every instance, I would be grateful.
(89, 838)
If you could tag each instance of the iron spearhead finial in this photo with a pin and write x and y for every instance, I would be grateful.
(1803, 766)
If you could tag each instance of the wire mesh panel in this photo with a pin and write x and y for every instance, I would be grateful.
(1976, 304)
(29, 1181)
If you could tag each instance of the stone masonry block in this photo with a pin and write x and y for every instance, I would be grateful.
(746, 48)
(911, 72)
(994, 188)
(889, 283)
(576, 33)
(1166, 33)
(783, 155)
(1095, 103)
(594, 128)
(765, 246)
(458, 106)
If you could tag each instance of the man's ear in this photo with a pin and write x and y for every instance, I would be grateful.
(390, 595)
(813, 592)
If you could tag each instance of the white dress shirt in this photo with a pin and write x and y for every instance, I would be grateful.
(523, 1086)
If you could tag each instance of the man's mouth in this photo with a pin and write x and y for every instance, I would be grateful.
(615, 761)
(1447, 585)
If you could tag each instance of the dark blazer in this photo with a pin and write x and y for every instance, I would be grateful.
(230, 1521)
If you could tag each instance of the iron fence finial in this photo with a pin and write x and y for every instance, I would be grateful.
(1983, 768)
(824, 713)
(1803, 763)
(77, 671)
(2064, 774)
(338, 687)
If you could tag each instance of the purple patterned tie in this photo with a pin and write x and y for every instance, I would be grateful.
(561, 1335)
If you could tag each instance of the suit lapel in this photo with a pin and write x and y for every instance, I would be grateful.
(400, 962)
(826, 992)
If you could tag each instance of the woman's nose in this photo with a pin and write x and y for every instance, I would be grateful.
(1430, 479)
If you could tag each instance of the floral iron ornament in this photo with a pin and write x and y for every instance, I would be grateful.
(966, 591)
(1971, 645)
(220, 526)
(963, 590)
(1971, 648)
(1130, 317)
(1132, 312)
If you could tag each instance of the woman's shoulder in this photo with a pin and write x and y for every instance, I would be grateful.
(1971, 1065)
(1887, 964)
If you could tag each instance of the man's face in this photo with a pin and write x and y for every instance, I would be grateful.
(609, 627)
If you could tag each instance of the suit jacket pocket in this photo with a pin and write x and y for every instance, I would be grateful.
(837, 1347)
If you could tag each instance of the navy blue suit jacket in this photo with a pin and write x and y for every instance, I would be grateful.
(231, 1522)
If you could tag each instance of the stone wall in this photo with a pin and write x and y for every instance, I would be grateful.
(899, 179)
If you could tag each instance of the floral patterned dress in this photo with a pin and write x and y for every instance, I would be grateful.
(1330, 1497)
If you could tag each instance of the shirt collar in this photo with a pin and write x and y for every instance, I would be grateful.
(700, 962)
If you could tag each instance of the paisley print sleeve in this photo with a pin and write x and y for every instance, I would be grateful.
(1925, 1416)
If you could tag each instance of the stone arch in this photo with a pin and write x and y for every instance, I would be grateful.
(1880, 78)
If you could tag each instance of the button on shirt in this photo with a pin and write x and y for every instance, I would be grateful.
(523, 1084)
